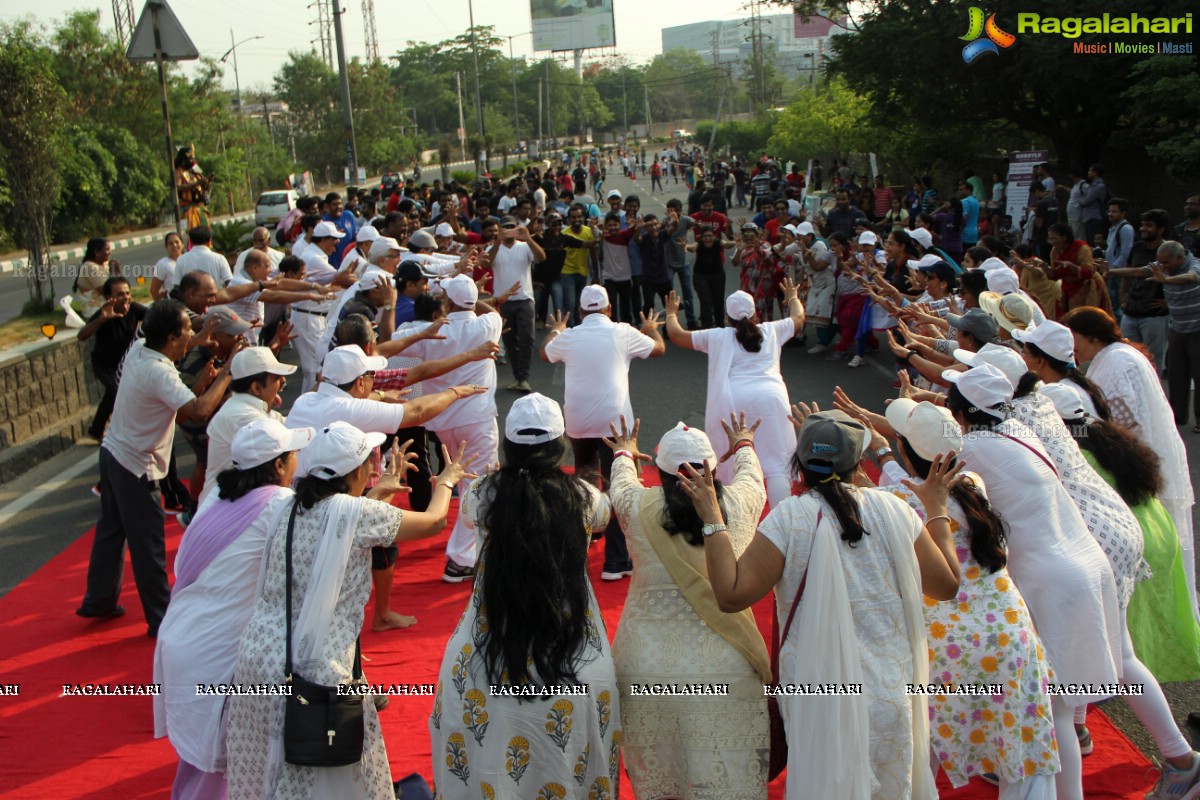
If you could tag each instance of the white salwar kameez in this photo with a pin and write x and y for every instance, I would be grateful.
(859, 622)
(741, 381)
(1136, 399)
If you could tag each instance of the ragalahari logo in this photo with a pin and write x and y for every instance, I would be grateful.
(996, 38)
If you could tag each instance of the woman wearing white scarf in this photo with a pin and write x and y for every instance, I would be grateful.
(335, 529)
(860, 619)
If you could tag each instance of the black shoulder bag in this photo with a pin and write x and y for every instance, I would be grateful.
(321, 727)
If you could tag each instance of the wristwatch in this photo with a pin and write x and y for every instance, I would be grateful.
(883, 452)
(709, 530)
(386, 308)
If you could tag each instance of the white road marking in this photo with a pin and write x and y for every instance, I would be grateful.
(25, 501)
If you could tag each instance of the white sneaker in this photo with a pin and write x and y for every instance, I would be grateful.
(817, 348)
(857, 361)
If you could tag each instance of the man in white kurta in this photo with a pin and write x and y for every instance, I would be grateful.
(309, 318)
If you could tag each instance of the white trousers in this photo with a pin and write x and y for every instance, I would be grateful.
(483, 442)
(308, 330)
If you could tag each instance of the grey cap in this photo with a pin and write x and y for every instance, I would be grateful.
(831, 442)
(228, 321)
(976, 322)
(423, 239)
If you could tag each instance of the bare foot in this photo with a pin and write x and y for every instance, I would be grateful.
(391, 620)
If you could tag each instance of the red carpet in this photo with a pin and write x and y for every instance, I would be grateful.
(101, 748)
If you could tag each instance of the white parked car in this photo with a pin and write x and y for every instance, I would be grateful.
(274, 206)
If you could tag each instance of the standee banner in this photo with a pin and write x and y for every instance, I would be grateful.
(572, 24)
(1020, 178)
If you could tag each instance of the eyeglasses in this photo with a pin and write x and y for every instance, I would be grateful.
(370, 374)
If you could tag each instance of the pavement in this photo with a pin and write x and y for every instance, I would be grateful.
(46, 510)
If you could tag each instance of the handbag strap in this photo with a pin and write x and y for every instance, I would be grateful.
(787, 626)
(287, 602)
(1026, 445)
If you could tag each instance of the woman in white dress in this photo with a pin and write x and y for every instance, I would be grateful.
(859, 620)
(1064, 575)
(163, 280)
(1049, 352)
(216, 586)
(1135, 396)
(672, 630)
(533, 631)
(743, 375)
(335, 529)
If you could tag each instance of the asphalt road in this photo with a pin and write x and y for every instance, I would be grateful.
(48, 509)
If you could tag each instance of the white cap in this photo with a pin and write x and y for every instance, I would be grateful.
(1003, 358)
(324, 229)
(739, 305)
(382, 245)
(593, 298)
(461, 290)
(265, 440)
(927, 260)
(992, 263)
(684, 445)
(921, 236)
(366, 233)
(1067, 400)
(346, 363)
(805, 229)
(868, 237)
(930, 429)
(1011, 311)
(534, 419)
(985, 387)
(1003, 280)
(443, 229)
(1052, 338)
(339, 449)
(614, 193)
(791, 229)
(253, 360)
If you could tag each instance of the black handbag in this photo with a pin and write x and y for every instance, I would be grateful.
(321, 727)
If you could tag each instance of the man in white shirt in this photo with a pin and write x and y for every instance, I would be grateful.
(474, 420)
(257, 379)
(202, 258)
(260, 240)
(513, 256)
(384, 255)
(309, 317)
(358, 257)
(133, 458)
(597, 353)
(252, 308)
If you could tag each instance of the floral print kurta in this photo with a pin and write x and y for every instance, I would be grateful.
(493, 747)
(760, 278)
(986, 636)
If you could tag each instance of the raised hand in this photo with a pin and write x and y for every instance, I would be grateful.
(672, 304)
(944, 475)
(651, 323)
(737, 432)
(558, 321)
(392, 480)
(456, 467)
(109, 311)
(801, 412)
(699, 487)
(626, 439)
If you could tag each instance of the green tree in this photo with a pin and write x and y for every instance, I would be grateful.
(682, 85)
(1167, 128)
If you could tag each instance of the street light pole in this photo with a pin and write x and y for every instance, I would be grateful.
(475, 59)
(512, 66)
(237, 83)
(347, 113)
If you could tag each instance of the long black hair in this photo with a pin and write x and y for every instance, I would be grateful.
(679, 517)
(748, 335)
(1136, 469)
(311, 490)
(986, 529)
(1026, 385)
(233, 483)
(976, 418)
(1069, 371)
(93, 248)
(533, 580)
(839, 497)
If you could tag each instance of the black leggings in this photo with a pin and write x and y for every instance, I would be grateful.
(710, 292)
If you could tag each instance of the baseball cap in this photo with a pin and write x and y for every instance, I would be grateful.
(614, 193)
(941, 270)
(423, 239)
(461, 290)
(927, 260)
(227, 320)
(1068, 402)
(381, 246)
(339, 449)
(992, 263)
(1003, 358)
(930, 429)
(409, 271)
(593, 298)
(254, 360)
(367, 233)
(739, 305)
(922, 236)
(790, 229)
(327, 229)
(346, 363)
(804, 229)
(534, 419)
(684, 444)
(1011, 311)
(976, 322)
(1003, 280)
(749, 227)
(831, 443)
(985, 387)
(1052, 338)
(443, 229)
(265, 440)
(868, 237)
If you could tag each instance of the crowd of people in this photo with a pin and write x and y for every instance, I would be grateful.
(1010, 519)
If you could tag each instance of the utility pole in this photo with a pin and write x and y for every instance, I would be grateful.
(539, 115)
(475, 59)
(123, 17)
(624, 110)
(344, 80)
(322, 23)
(462, 125)
(512, 65)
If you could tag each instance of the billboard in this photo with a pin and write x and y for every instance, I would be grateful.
(572, 24)
(1020, 178)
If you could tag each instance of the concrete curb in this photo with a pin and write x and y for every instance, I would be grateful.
(143, 237)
